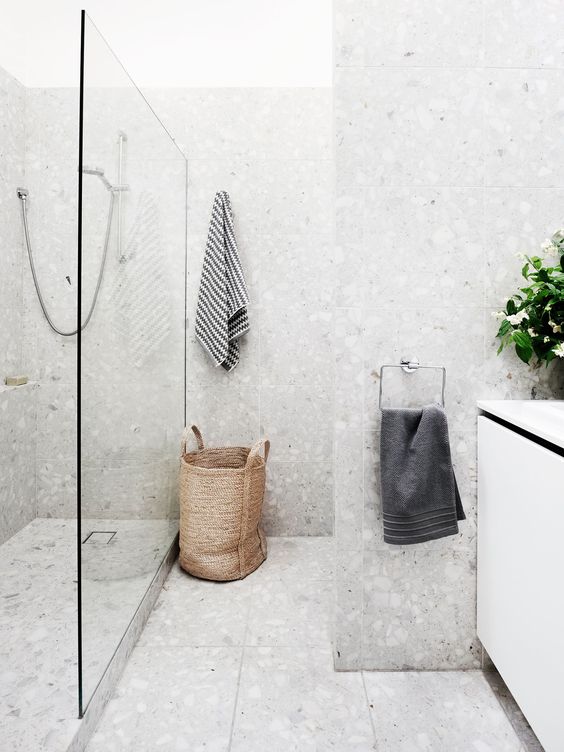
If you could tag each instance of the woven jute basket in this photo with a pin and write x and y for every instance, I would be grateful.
(221, 495)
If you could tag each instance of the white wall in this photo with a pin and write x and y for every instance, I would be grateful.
(174, 42)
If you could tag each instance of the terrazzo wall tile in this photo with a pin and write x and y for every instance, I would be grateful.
(524, 109)
(413, 614)
(517, 220)
(299, 498)
(442, 171)
(56, 489)
(423, 35)
(445, 226)
(17, 404)
(271, 149)
(296, 346)
(12, 138)
(295, 419)
(17, 461)
(520, 34)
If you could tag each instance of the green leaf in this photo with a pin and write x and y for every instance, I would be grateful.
(504, 329)
(511, 308)
(536, 262)
(523, 345)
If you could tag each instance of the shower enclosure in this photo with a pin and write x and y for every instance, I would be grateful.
(88, 500)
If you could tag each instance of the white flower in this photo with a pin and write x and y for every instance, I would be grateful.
(517, 318)
(547, 246)
(546, 339)
(555, 327)
(499, 315)
(559, 350)
(532, 332)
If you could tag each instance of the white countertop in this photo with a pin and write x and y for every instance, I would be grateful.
(543, 418)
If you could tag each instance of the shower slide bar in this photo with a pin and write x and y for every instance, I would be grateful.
(410, 366)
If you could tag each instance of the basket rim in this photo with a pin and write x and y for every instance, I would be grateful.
(259, 463)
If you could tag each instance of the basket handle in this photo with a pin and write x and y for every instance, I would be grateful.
(185, 436)
(255, 451)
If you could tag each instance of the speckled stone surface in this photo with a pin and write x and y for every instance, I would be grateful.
(447, 120)
(38, 621)
(438, 712)
(12, 137)
(247, 666)
(271, 150)
(18, 407)
(512, 710)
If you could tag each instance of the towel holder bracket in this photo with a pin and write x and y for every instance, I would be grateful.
(410, 365)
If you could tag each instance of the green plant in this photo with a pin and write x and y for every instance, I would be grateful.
(533, 319)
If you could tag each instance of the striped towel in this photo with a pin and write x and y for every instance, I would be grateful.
(221, 317)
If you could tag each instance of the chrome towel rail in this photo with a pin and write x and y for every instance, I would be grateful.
(410, 366)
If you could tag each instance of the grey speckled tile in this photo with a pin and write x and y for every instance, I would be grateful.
(287, 613)
(299, 499)
(513, 711)
(523, 145)
(296, 346)
(193, 612)
(172, 699)
(524, 35)
(290, 700)
(419, 610)
(296, 420)
(437, 712)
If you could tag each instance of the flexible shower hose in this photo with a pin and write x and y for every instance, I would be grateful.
(100, 274)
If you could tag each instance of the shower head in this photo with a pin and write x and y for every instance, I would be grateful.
(99, 172)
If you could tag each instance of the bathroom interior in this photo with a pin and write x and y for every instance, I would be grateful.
(394, 172)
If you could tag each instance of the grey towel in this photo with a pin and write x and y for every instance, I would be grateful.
(420, 497)
(221, 316)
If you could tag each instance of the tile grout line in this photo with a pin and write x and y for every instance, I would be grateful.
(372, 724)
(243, 648)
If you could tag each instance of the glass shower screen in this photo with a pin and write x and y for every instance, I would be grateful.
(132, 251)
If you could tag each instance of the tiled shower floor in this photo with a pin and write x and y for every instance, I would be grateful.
(247, 667)
(38, 620)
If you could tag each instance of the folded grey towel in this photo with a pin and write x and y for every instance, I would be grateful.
(221, 316)
(420, 496)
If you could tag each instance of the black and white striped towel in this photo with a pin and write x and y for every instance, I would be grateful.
(221, 317)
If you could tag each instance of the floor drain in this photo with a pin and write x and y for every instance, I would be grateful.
(99, 537)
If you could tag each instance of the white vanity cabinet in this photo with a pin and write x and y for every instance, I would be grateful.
(521, 571)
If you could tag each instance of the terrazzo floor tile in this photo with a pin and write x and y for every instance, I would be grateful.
(290, 613)
(292, 699)
(198, 613)
(177, 699)
(38, 620)
(513, 712)
(448, 711)
(270, 684)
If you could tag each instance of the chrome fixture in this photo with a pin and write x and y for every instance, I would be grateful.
(99, 172)
(410, 365)
(122, 138)
(23, 195)
(114, 190)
